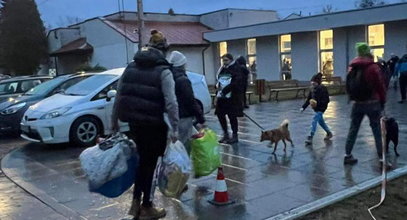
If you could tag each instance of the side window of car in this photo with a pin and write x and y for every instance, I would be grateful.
(68, 84)
(103, 94)
(29, 84)
(11, 88)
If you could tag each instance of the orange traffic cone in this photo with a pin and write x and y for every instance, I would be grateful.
(221, 196)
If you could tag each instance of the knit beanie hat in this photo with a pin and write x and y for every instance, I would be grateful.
(362, 49)
(177, 59)
(317, 78)
(158, 40)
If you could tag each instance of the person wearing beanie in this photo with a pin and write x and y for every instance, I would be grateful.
(370, 102)
(188, 106)
(229, 102)
(318, 98)
(158, 41)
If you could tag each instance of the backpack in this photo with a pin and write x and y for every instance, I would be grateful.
(357, 87)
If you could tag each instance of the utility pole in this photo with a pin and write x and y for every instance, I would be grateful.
(140, 16)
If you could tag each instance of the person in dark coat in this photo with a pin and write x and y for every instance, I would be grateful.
(318, 97)
(229, 97)
(145, 92)
(401, 72)
(188, 106)
(392, 67)
(242, 62)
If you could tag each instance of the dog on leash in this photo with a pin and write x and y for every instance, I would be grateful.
(392, 134)
(276, 135)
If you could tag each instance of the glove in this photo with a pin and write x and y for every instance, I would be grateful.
(174, 137)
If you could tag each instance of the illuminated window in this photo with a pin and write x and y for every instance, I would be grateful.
(376, 40)
(326, 55)
(285, 56)
(251, 57)
(223, 48)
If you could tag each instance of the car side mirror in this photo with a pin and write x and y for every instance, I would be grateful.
(111, 94)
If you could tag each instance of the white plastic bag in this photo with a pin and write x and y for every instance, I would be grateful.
(107, 160)
(174, 170)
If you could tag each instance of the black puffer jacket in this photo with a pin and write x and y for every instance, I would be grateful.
(321, 95)
(187, 104)
(140, 98)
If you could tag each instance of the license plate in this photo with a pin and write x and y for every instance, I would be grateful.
(25, 128)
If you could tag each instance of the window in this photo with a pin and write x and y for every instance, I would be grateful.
(376, 40)
(103, 94)
(285, 56)
(8, 88)
(223, 49)
(326, 55)
(29, 84)
(251, 58)
(89, 85)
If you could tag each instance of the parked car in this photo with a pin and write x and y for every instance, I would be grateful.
(16, 86)
(84, 111)
(12, 110)
(3, 77)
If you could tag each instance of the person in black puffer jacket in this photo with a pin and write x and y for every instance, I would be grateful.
(318, 97)
(188, 106)
(146, 90)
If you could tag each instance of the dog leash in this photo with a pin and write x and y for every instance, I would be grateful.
(251, 119)
(384, 173)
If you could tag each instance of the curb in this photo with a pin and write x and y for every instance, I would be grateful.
(37, 193)
(336, 197)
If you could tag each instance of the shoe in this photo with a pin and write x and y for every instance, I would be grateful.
(147, 213)
(246, 106)
(388, 165)
(328, 136)
(309, 140)
(135, 208)
(401, 101)
(233, 140)
(225, 139)
(350, 160)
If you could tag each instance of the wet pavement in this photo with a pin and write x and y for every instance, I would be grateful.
(263, 185)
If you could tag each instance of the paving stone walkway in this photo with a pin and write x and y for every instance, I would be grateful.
(262, 184)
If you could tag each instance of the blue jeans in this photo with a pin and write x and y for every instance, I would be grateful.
(319, 119)
(373, 111)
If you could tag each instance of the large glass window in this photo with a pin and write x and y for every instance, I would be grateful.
(285, 56)
(326, 57)
(376, 40)
(223, 48)
(251, 58)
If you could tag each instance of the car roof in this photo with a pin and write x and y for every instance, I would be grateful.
(117, 71)
(22, 78)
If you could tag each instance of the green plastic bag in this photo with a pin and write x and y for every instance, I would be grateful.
(205, 153)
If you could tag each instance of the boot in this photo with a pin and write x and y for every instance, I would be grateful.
(309, 140)
(234, 139)
(225, 138)
(349, 160)
(135, 208)
(147, 213)
(328, 136)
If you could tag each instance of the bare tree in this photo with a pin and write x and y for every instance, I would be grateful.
(171, 11)
(369, 3)
(327, 9)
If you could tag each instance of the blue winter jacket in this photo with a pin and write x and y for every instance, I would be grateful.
(401, 68)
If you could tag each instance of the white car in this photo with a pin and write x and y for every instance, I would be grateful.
(84, 111)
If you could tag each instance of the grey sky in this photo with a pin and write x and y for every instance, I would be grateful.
(53, 11)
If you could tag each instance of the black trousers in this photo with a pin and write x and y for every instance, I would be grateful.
(403, 86)
(151, 141)
(224, 125)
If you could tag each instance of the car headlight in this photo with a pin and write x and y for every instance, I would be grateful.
(55, 113)
(13, 109)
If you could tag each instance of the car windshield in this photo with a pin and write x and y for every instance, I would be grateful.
(45, 87)
(89, 85)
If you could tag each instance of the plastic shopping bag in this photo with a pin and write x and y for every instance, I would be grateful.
(205, 153)
(174, 170)
(108, 162)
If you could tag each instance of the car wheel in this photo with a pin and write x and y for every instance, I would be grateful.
(84, 131)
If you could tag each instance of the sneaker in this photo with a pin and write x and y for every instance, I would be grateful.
(147, 213)
(350, 160)
(309, 140)
(225, 139)
(328, 136)
(388, 164)
(233, 140)
(135, 208)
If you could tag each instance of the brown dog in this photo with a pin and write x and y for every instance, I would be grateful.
(276, 135)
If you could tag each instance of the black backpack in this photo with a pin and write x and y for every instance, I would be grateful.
(357, 87)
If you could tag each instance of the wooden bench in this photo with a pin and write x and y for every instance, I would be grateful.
(248, 93)
(285, 86)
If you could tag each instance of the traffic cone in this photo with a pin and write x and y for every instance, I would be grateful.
(221, 196)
